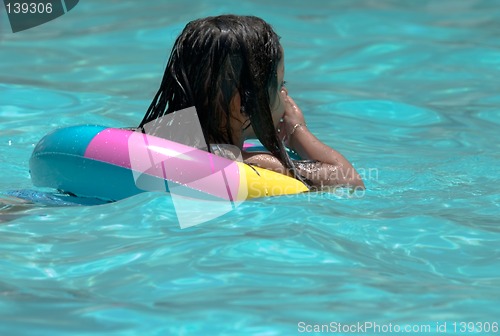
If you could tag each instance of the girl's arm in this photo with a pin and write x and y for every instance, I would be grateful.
(332, 168)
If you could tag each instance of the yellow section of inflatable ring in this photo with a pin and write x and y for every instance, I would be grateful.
(258, 182)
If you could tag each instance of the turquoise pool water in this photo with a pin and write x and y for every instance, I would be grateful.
(408, 91)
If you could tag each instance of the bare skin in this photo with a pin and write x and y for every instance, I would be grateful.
(334, 169)
(331, 168)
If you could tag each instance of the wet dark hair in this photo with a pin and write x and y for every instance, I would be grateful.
(212, 59)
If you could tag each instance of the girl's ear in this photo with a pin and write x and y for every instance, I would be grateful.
(237, 111)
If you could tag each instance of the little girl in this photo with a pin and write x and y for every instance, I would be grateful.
(231, 68)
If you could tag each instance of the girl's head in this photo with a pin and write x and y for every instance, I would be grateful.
(231, 69)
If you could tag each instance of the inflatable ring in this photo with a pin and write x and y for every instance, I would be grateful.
(113, 164)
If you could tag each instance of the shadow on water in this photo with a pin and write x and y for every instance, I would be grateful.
(12, 208)
(16, 203)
